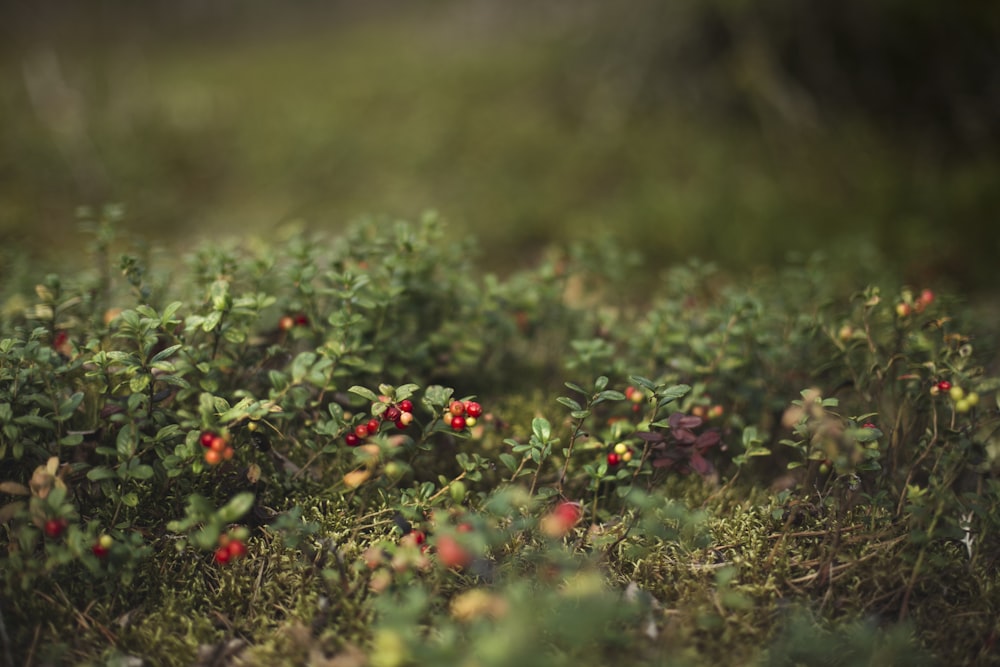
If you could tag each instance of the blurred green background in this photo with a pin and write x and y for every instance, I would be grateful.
(722, 129)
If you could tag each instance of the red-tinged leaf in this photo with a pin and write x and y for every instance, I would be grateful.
(707, 440)
(701, 465)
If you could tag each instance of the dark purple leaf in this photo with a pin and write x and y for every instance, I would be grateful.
(707, 440)
(684, 436)
(649, 436)
(681, 420)
(701, 465)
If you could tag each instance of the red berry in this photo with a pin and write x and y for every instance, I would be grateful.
(457, 408)
(213, 457)
(629, 390)
(206, 438)
(415, 538)
(473, 409)
(361, 430)
(451, 553)
(218, 444)
(614, 459)
(236, 549)
(406, 405)
(99, 550)
(944, 385)
(391, 414)
(222, 555)
(868, 425)
(926, 297)
(286, 323)
(54, 527)
(352, 440)
(301, 320)
(373, 425)
(457, 423)
(569, 513)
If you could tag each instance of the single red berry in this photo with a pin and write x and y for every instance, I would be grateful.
(414, 538)
(222, 555)
(213, 457)
(391, 413)
(100, 550)
(236, 549)
(629, 390)
(457, 408)
(452, 554)
(361, 430)
(406, 405)
(457, 423)
(206, 438)
(373, 425)
(218, 444)
(352, 440)
(54, 527)
(286, 323)
(868, 425)
(405, 419)
(473, 409)
(944, 385)
(568, 513)
(301, 320)
(614, 459)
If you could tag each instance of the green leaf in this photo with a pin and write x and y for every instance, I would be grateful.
(99, 473)
(609, 395)
(301, 364)
(672, 393)
(575, 387)
(541, 428)
(69, 406)
(212, 320)
(138, 383)
(363, 392)
(600, 383)
(569, 403)
(163, 354)
(125, 443)
(646, 384)
(237, 507)
(141, 471)
(131, 499)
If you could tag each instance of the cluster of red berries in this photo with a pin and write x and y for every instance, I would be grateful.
(909, 305)
(713, 412)
(54, 528)
(230, 548)
(636, 395)
(963, 402)
(462, 414)
(622, 453)
(398, 414)
(289, 322)
(102, 547)
(217, 447)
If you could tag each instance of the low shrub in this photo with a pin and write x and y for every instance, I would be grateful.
(361, 451)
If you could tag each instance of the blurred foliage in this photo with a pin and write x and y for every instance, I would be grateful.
(729, 130)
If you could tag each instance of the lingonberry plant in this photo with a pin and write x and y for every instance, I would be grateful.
(359, 450)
